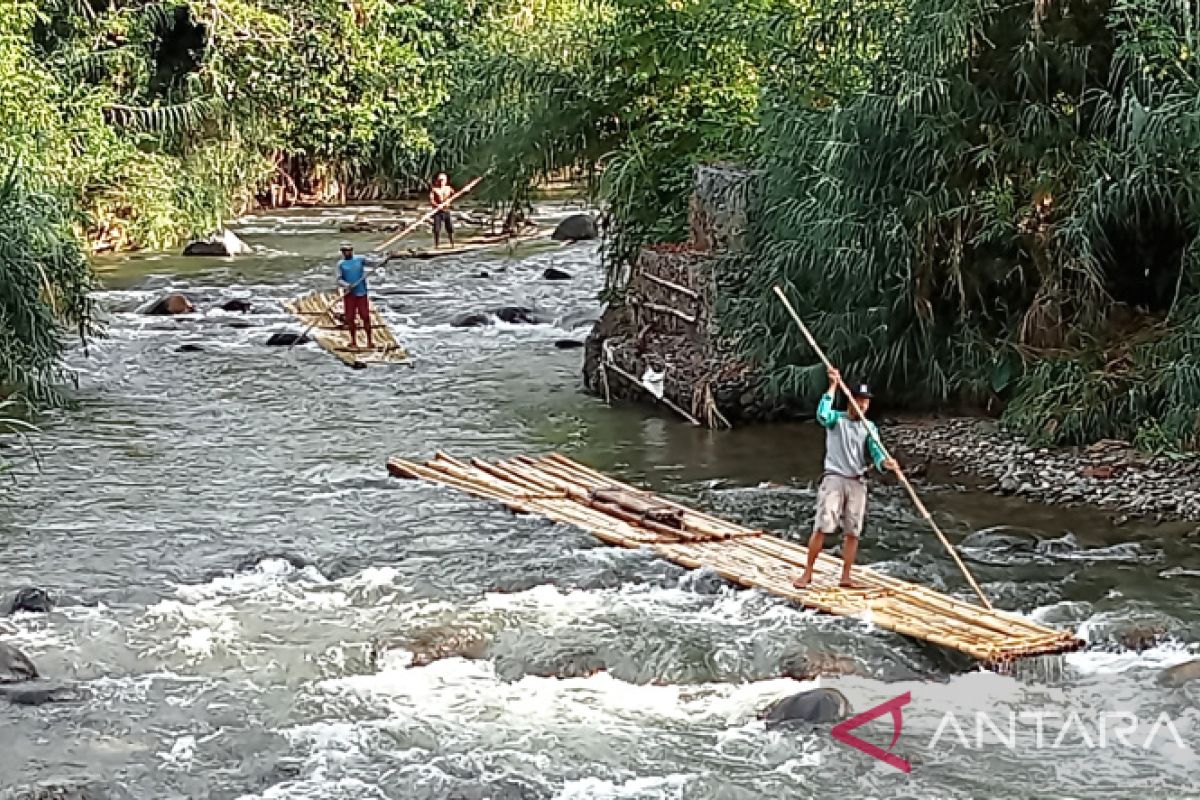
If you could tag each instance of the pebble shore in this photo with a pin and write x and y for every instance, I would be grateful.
(1109, 474)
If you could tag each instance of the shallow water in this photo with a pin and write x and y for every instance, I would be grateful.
(240, 581)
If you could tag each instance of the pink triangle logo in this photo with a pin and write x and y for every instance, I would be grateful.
(842, 733)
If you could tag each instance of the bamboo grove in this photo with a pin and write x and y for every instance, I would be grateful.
(977, 202)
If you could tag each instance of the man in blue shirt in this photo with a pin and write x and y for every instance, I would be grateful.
(850, 448)
(352, 278)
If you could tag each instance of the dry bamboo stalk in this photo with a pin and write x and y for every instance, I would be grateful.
(674, 312)
(671, 285)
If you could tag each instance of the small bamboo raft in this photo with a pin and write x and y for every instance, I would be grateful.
(618, 514)
(329, 331)
(469, 245)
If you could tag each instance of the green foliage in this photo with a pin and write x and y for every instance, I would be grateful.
(633, 90)
(980, 179)
(44, 285)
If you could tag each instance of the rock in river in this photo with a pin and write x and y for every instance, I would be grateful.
(238, 305)
(555, 274)
(513, 315)
(30, 599)
(15, 666)
(225, 244)
(813, 706)
(174, 303)
(1180, 674)
(577, 227)
(286, 339)
(37, 693)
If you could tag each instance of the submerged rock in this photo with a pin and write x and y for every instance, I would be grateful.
(37, 693)
(1180, 674)
(815, 706)
(55, 791)
(577, 227)
(287, 339)
(554, 274)
(513, 315)
(31, 600)
(174, 303)
(568, 344)
(189, 348)
(15, 666)
(434, 644)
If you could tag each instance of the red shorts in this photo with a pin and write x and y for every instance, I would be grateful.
(356, 305)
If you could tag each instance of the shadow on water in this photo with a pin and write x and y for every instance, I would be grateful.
(244, 595)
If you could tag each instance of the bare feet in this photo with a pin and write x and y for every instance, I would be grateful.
(847, 583)
(802, 582)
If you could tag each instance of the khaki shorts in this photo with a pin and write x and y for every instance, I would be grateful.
(841, 500)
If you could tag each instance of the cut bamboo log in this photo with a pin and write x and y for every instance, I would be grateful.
(618, 514)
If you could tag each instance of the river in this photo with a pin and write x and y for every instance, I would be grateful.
(238, 579)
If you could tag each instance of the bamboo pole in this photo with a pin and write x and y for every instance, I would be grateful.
(912, 493)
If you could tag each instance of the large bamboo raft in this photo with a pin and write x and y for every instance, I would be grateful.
(323, 310)
(618, 514)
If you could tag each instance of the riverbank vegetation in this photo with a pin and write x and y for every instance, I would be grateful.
(988, 203)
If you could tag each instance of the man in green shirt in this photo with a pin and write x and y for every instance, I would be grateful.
(851, 445)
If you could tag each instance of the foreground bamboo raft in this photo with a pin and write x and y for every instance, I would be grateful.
(565, 491)
(325, 310)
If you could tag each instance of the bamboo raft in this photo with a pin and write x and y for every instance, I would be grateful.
(469, 245)
(618, 514)
(329, 331)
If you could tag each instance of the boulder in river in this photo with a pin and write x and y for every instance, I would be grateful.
(15, 666)
(226, 243)
(575, 228)
(513, 315)
(238, 305)
(30, 599)
(568, 344)
(555, 274)
(816, 706)
(1180, 674)
(174, 303)
(286, 339)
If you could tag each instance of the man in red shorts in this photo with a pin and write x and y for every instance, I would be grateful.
(352, 278)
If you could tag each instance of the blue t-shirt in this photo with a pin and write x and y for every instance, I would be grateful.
(353, 271)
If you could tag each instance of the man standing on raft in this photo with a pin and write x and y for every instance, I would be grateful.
(439, 194)
(352, 278)
(842, 496)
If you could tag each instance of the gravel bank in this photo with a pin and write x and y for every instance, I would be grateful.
(1109, 474)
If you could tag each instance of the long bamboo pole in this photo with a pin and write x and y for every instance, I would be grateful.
(912, 493)
(405, 232)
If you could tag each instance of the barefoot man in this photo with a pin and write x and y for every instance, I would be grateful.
(440, 193)
(842, 497)
(352, 278)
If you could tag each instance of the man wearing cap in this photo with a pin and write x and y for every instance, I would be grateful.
(842, 497)
(352, 278)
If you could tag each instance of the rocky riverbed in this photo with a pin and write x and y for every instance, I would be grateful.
(1109, 474)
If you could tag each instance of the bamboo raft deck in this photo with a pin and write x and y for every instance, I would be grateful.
(468, 245)
(331, 334)
(618, 514)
